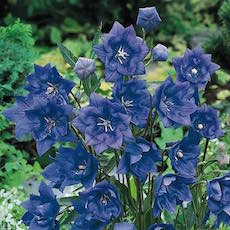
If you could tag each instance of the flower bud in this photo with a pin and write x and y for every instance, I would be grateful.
(160, 53)
(84, 67)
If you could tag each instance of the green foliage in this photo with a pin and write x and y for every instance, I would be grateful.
(218, 43)
(16, 57)
(168, 135)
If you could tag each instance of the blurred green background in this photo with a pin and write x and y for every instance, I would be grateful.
(29, 32)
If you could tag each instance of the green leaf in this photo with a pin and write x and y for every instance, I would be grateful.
(110, 165)
(125, 195)
(55, 35)
(68, 217)
(67, 201)
(91, 84)
(96, 40)
(67, 55)
(133, 188)
(168, 135)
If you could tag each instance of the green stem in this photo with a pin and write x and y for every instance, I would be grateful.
(185, 222)
(149, 61)
(117, 162)
(76, 99)
(139, 200)
(204, 156)
(205, 149)
(177, 214)
(151, 195)
(143, 34)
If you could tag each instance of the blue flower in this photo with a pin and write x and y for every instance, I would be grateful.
(46, 81)
(148, 18)
(49, 123)
(160, 53)
(219, 199)
(88, 222)
(124, 226)
(42, 210)
(135, 99)
(17, 115)
(195, 67)
(171, 190)
(206, 123)
(46, 120)
(122, 52)
(139, 159)
(174, 103)
(104, 124)
(84, 67)
(161, 227)
(72, 166)
(184, 155)
(97, 206)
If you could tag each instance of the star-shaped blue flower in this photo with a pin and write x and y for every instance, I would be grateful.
(45, 119)
(171, 190)
(219, 199)
(97, 206)
(139, 159)
(72, 166)
(122, 52)
(104, 123)
(184, 155)
(174, 103)
(42, 210)
(195, 67)
(47, 82)
(135, 99)
(205, 122)
(148, 18)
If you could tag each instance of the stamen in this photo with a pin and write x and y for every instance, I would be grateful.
(126, 103)
(81, 168)
(51, 89)
(121, 55)
(180, 153)
(51, 123)
(106, 123)
(104, 199)
(194, 71)
(200, 126)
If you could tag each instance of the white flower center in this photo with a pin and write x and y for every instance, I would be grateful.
(51, 89)
(51, 123)
(121, 55)
(126, 103)
(104, 199)
(106, 123)
(179, 154)
(200, 126)
(194, 71)
(168, 104)
(81, 168)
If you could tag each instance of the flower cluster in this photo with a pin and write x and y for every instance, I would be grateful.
(45, 112)
(122, 123)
